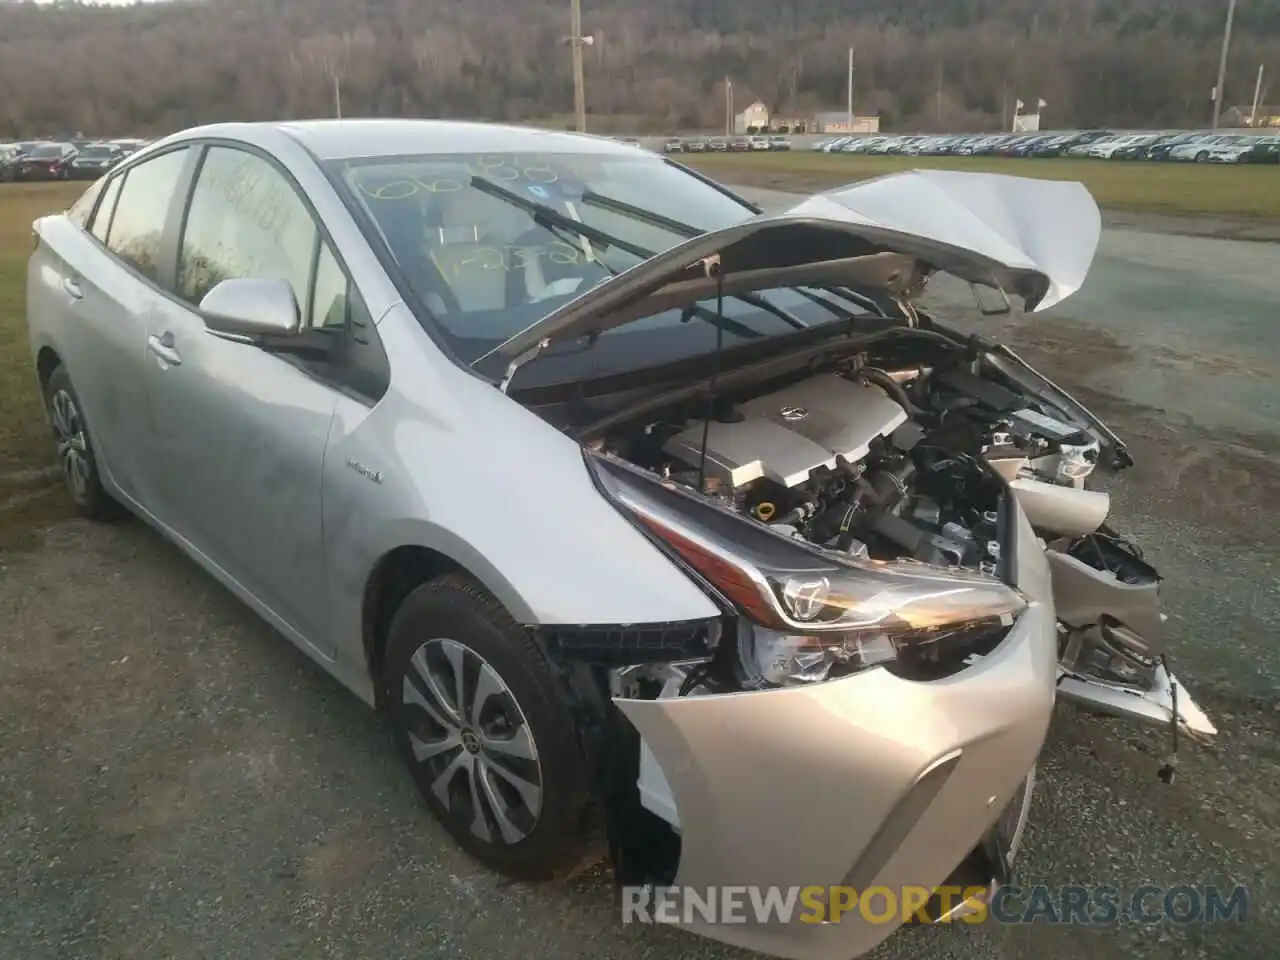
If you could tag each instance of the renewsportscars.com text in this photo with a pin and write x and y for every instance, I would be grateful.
(1009, 905)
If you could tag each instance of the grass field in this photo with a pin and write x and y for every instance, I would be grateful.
(27, 496)
(1171, 189)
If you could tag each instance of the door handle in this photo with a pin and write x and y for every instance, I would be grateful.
(162, 346)
(72, 288)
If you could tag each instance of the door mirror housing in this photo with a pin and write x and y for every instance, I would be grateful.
(252, 307)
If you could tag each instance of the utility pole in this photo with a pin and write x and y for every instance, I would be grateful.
(728, 107)
(576, 42)
(939, 101)
(337, 95)
(850, 104)
(1257, 96)
(1222, 63)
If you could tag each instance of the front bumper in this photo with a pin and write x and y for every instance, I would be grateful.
(865, 782)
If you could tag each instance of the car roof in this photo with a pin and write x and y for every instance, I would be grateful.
(353, 139)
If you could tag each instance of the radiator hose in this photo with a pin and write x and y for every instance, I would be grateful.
(890, 386)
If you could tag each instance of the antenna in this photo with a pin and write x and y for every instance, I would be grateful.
(713, 270)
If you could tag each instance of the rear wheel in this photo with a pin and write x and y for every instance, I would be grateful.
(488, 738)
(76, 456)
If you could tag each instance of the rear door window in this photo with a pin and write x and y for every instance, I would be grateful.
(142, 209)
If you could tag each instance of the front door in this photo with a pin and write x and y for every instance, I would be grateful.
(240, 433)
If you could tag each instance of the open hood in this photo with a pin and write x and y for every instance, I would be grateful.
(1033, 239)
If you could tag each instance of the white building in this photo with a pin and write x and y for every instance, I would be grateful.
(756, 115)
(837, 121)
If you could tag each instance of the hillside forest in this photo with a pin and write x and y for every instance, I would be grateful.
(654, 66)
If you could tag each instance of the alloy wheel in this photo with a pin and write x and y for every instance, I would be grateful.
(466, 728)
(73, 448)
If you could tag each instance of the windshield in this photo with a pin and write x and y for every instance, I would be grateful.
(485, 263)
(96, 153)
(48, 152)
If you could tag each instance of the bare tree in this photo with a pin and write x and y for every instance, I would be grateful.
(148, 68)
(331, 56)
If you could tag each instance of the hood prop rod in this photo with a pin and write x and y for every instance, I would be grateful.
(714, 271)
(520, 360)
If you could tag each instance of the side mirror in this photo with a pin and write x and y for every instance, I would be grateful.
(252, 307)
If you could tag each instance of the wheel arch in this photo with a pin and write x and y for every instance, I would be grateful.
(47, 361)
(401, 570)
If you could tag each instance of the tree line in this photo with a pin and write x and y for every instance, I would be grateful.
(658, 66)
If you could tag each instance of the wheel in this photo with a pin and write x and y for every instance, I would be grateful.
(478, 717)
(75, 450)
(1202, 157)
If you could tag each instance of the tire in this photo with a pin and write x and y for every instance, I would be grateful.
(509, 780)
(76, 457)
(1202, 157)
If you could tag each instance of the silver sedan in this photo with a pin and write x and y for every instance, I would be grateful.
(653, 524)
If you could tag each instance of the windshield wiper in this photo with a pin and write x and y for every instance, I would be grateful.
(591, 198)
(639, 213)
(553, 219)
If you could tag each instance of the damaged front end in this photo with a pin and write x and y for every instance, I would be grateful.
(909, 565)
(847, 722)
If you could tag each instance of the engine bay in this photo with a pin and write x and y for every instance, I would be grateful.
(909, 453)
(871, 461)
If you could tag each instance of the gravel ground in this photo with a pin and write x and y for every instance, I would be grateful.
(179, 782)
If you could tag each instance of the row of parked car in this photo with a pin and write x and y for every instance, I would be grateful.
(63, 160)
(726, 144)
(1204, 146)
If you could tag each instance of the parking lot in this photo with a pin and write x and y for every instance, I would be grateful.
(180, 782)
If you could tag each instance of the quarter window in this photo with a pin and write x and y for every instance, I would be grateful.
(329, 304)
(245, 221)
(141, 211)
(101, 222)
(78, 213)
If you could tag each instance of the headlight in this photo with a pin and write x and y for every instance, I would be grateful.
(808, 615)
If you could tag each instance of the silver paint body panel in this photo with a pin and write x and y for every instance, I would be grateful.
(240, 457)
(833, 764)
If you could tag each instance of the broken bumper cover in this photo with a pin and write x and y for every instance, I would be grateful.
(865, 782)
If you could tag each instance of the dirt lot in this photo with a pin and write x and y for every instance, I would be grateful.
(180, 783)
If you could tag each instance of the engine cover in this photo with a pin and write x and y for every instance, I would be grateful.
(786, 435)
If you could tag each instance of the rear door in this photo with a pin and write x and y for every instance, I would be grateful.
(92, 280)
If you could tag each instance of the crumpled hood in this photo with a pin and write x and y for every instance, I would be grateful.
(1033, 239)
